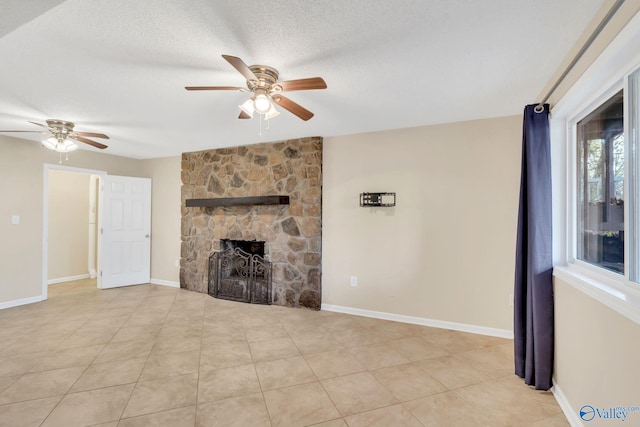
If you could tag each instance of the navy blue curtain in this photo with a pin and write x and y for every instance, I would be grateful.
(533, 291)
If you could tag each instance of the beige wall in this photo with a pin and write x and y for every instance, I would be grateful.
(596, 354)
(446, 251)
(165, 218)
(68, 224)
(21, 192)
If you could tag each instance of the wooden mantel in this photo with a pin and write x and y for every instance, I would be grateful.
(237, 201)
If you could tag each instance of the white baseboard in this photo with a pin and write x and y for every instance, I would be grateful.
(67, 279)
(572, 417)
(23, 301)
(165, 283)
(463, 327)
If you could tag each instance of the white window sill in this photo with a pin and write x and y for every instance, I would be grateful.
(622, 297)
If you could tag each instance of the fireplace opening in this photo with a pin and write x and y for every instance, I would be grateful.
(239, 272)
(252, 247)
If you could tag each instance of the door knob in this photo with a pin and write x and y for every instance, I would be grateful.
(146, 236)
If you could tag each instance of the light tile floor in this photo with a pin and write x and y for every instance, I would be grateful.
(157, 356)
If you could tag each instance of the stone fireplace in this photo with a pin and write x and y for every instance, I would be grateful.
(291, 234)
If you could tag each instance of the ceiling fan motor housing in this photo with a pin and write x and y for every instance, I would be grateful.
(267, 77)
(60, 127)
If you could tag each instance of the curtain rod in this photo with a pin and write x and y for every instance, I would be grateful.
(540, 107)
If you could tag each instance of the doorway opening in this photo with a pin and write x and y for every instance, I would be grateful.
(70, 217)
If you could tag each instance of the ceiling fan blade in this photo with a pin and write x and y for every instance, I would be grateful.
(214, 88)
(292, 107)
(303, 84)
(239, 65)
(88, 141)
(91, 134)
(39, 124)
(244, 115)
(28, 131)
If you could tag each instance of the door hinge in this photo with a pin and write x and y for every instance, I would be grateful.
(101, 231)
(100, 273)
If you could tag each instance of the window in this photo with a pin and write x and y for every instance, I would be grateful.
(607, 183)
(600, 143)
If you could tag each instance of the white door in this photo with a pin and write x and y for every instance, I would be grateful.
(124, 241)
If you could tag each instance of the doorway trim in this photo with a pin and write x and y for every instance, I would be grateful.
(45, 216)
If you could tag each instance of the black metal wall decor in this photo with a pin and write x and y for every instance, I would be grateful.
(384, 200)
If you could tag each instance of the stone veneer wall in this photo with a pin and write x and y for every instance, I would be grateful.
(292, 233)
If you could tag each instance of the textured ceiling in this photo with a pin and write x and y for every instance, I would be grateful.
(120, 66)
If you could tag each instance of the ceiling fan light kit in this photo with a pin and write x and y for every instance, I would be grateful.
(262, 82)
(251, 105)
(61, 145)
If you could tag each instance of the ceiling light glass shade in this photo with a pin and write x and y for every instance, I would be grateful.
(262, 103)
(61, 146)
(247, 107)
(50, 143)
(67, 145)
(271, 113)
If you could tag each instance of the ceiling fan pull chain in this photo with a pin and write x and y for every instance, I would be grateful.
(260, 120)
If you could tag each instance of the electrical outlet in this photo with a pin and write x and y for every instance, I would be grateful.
(354, 281)
(510, 300)
(177, 263)
(15, 219)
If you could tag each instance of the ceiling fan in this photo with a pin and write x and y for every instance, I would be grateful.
(262, 82)
(61, 134)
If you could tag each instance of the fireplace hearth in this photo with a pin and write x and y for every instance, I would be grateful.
(239, 272)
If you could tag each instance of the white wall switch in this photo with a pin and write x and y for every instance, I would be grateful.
(15, 219)
(354, 281)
